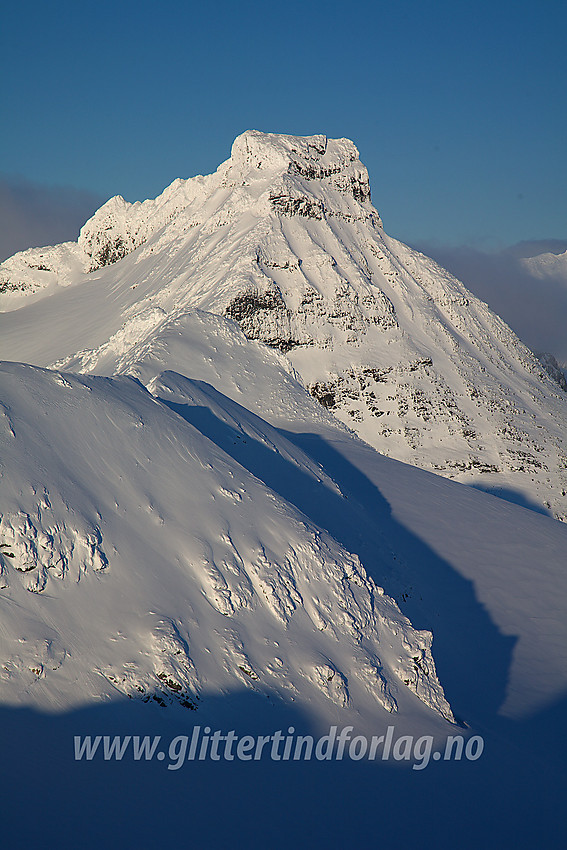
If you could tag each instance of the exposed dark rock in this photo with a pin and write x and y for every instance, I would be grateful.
(313, 171)
(307, 207)
(324, 393)
(249, 303)
(109, 253)
(14, 286)
(265, 317)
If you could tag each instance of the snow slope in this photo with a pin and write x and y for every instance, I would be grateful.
(148, 562)
(284, 240)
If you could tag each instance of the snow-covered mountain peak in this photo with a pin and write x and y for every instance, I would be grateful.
(266, 173)
(547, 265)
(283, 240)
(262, 156)
(253, 151)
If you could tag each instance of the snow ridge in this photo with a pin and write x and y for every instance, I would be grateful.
(175, 586)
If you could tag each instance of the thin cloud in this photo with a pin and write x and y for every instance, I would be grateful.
(534, 307)
(33, 215)
(533, 247)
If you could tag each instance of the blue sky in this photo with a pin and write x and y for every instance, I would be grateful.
(458, 108)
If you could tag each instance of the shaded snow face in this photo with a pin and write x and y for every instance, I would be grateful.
(149, 562)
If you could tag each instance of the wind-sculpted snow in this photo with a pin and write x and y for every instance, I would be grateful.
(284, 241)
(41, 548)
(138, 557)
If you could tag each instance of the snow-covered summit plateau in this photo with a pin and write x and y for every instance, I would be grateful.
(183, 511)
